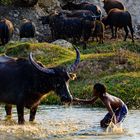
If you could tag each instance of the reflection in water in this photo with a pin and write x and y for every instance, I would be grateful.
(71, 123)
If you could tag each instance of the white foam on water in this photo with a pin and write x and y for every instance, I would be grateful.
(114, 128)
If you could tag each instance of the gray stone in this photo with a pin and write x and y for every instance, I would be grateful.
(31, 40)
(63, 43)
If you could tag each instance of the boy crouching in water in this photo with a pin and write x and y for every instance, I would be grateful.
(117, 110)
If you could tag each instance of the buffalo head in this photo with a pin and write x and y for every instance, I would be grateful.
(57, 79)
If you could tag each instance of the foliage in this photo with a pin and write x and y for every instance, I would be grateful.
(6, 2)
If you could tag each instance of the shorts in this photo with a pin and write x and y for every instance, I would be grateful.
(120, 114)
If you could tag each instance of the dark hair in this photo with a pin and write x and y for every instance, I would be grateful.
(100, 88)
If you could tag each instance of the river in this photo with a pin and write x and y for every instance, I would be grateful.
(67, 123)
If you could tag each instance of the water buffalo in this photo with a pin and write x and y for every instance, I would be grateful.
(63, 27)
(119, 19)
(98, 31)
(110, 4)
(84, 6)
(6, 31)
(27, 29)
(25, 82)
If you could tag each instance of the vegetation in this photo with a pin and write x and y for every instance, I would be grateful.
(116, 64)
(6, 2)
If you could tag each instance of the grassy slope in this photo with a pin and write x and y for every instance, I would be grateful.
(116, 64)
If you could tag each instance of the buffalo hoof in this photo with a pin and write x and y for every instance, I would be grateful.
(21, 122)
(31, 119)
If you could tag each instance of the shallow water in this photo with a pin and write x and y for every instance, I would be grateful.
(67, 123)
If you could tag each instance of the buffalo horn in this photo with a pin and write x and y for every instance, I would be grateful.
(75, 64)
(36, 65)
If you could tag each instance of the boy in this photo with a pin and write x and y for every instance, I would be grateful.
(117, 110)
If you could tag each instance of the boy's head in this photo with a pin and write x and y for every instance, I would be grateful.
(99, 89)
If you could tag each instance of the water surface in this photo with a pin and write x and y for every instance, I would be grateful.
(67, 123)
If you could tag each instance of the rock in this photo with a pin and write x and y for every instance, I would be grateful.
(31, 40)
(17, 14)
(63, 43)
(49, 5)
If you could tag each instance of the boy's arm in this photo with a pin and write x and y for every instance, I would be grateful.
(84, 101)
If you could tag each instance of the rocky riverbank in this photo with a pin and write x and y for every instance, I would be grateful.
(16, 14)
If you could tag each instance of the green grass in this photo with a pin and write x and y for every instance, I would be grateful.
(116, 64)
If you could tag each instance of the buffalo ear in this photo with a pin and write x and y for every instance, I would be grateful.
(72, 76)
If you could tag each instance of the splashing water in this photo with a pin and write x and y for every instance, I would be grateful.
(114, 128)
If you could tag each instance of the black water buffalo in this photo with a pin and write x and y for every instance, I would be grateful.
(84, 6)
(6, 31)
(110, 4)
(25, 82)
(119, 19)
(63, 27)
(27, 29)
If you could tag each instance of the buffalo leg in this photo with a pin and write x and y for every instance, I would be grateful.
(101, 40)
(32, 113)
(112, 30)
(126, 32)
(132, 32)
(116, 32)
(8, 109)
(6, 40)
(97, 39)
(20, 111)
(3, 41)
(84, 46)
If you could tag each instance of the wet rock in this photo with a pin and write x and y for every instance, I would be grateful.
(63, 43)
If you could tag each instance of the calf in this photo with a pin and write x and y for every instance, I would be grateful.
(6, 31)
(98, 31)
(119, 19)
(27, 29)
(63, 27)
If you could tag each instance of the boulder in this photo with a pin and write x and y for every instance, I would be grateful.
(31, 40)
(63, 43)
(49, 5)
